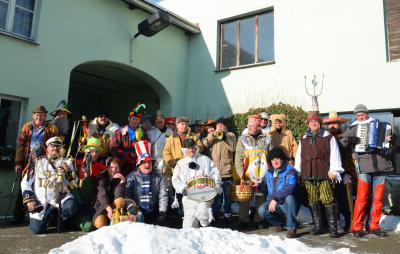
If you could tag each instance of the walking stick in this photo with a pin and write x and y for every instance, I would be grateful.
(9, 201)
(59, 212)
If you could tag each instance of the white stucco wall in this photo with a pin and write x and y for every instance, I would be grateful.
(343, 39)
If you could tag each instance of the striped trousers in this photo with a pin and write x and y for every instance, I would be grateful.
(319, 191)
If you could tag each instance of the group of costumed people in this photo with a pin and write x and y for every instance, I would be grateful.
(155, 166)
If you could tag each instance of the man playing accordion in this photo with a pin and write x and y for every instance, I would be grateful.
(371, 165)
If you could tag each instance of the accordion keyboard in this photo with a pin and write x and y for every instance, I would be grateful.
(362, 133)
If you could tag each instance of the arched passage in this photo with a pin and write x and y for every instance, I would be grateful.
(115, 87)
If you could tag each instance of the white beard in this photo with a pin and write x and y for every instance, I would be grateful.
(62, 125)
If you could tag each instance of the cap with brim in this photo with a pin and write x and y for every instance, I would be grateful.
(39, 109)
(334, 118)
(93, 143)
(211, 122)
(55, 141)
(264, 115)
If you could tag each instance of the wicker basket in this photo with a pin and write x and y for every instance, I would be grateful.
(241, 193)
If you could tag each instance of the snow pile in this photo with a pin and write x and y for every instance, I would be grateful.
(128, 237)
(390, 223)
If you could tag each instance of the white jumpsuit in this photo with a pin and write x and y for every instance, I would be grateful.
(195, 212)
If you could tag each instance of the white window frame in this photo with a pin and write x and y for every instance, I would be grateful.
(10, 20)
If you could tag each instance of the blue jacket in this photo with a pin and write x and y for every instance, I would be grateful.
(282, 186)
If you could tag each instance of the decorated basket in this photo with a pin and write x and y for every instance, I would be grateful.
(242, 192)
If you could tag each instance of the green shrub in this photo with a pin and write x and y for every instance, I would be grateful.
(295, 118)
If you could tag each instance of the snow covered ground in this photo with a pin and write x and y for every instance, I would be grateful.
(140, 238)
(387, 222)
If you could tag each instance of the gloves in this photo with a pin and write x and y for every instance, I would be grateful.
(162, 217)
(353, 140)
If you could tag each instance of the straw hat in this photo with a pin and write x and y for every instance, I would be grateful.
(333, 117)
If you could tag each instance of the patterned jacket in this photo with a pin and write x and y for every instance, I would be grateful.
(159, 189)
(123, 147)
(24, 139)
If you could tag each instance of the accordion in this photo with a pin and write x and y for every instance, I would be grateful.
(372, 136)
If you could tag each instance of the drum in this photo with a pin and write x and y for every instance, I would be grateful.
(201, 188)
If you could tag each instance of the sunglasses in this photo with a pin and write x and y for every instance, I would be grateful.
(170, 124)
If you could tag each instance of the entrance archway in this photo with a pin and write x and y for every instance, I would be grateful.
(114, 87)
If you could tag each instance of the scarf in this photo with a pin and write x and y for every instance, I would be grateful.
(146, 205)
(132, 133)
(314, 135)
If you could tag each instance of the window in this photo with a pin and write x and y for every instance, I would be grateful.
(17, 17)
(247, 40)
(392, 14)
(10, 118)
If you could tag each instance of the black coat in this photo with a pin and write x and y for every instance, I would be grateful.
(108, 190)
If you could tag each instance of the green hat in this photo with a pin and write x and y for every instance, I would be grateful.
(39, 109)
(93, 143)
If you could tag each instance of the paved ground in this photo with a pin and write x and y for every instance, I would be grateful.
(20, 240)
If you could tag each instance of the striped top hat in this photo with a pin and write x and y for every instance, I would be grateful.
(143, 151)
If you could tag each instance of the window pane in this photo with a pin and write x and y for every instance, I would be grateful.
(266, 37)
(3, 14)
(247, 40)
(22, 22)
(9, 120)
(229, 45)
(27, 4)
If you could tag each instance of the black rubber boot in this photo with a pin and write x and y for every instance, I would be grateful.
(331, 214)
(317, 219)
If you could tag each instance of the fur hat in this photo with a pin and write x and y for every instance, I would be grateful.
(182, 119)
(280, 117)
(277, 152)
(360, 108)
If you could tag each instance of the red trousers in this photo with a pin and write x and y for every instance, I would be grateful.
(366, 184)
